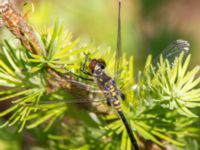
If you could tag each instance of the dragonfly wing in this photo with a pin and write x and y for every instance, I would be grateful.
(66, 101)
(118, 49)
(97, 105)
(173, 50)
(79, 85)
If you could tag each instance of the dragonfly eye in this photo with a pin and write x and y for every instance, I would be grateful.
(102, 63)
(92, 65)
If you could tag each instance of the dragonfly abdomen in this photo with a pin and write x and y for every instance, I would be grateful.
(117, 105)
(112, 94)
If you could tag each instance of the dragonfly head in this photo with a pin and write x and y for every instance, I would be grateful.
(96, 62)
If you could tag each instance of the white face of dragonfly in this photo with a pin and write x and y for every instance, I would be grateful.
(98, 71)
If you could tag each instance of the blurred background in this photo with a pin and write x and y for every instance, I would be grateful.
(147, 27)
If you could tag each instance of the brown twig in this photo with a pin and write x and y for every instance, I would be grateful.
(15, 22)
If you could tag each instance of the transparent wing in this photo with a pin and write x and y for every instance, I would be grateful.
(94, 105)
(93, 93)
(92, 88)
(90, 95)
(118, 49)
(79, 85)
(173, 50)
(67, 101)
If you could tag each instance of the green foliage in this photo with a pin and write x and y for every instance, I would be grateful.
(164, 93)
(58, 49)
(171, 86)
(167, 93)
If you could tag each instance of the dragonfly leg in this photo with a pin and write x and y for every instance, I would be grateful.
(81, 77)
(122, 96)
(108, 102)
(78, 76)
(83, 67)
